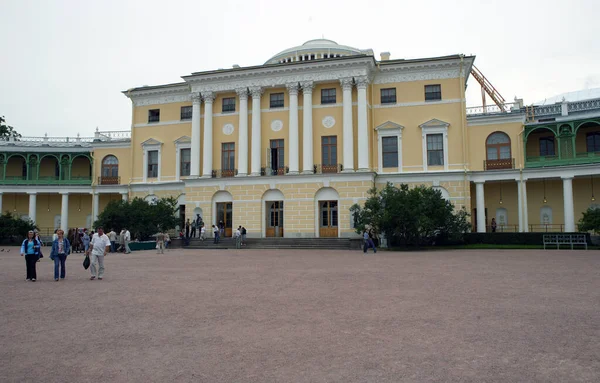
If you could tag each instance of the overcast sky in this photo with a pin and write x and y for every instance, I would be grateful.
(64, 63)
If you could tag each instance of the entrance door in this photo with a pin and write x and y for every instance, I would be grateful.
(274, 211)
(225, 214)
(328, 217)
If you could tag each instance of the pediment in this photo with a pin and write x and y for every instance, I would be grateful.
(434, 123)
(151, 141)
(183, 140)
(389, 125)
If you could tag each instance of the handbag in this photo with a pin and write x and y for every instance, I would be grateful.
(158, 247)
(86, 262)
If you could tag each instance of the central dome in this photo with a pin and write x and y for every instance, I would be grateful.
(314, 50)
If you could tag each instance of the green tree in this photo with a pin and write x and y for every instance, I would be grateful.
(7, 131)
(590, 220)
(142, 218)
(411, 216)
(13, 229)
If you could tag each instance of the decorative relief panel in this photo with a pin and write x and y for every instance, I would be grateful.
(328, 122)
(276, 125)
(228, 129)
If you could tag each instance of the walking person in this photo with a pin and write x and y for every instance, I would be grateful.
(36, 235)
(216, 233)
(203, 233)
(494, 225)
(187, 228)
(243, 236)
(30, 249)
(86, 240)
(368, 241)
(221, 229)
(121, 248)
(160, 243)
(238, 237)
(112, 236)
(194, 229)
(61, 248)
(99, 246)
(167, 240)
(55, 235)
(126, 241)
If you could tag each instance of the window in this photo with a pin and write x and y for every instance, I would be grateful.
(592, 141)
(388, 96)
(498, 146)
(153, 163)
(228, 104)
(185, 160)
(154, 115)
(435, 149)
(328, 96)
(329, 150)
(390, 151)
(277, 157)
(186, 112)
(276, 100)
(110, 166)
(433, 92)
(547, 146)
(228, 156)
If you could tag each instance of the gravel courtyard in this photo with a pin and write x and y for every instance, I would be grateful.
(305, 316)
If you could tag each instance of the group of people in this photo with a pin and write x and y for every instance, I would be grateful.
(240, 237)
(31, 248)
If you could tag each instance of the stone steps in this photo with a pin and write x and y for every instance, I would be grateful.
(279, 243)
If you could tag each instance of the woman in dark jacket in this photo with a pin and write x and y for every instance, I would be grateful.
(30, 249)
(60, 249)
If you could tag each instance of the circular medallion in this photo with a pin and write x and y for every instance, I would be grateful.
(276, 125)
(328, 121)
(228, 129)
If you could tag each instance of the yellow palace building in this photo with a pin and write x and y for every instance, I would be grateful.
(287, 147)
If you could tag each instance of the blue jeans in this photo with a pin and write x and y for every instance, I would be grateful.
(113, 246)
(60, 259)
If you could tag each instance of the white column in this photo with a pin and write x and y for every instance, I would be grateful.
(64, 212)
(568, 204)
(307, 130)
(363, 133)
(243, 132)
(347, 129)
(525, 208)
(1, 204)
(207, 157)
(256, 92)
(480, 207)
(195, 150)
(520, 205)
(293, 128)
(95, 207)
(145, 165)
(32, 206)
(124, 196)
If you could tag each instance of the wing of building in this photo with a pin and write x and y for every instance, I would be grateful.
(287, 147)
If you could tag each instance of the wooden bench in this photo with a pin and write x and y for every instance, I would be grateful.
(565, 239)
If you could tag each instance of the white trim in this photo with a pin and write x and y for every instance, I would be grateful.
(151, 145)
(183, 142)
(418, 103)
(162, 123)
(434, 126)
(389, 129)
(278, 180)
(483, 120)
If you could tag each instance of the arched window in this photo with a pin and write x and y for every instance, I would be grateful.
(498, 146)
(110, 166)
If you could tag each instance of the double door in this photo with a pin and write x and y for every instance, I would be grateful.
(225, 215)
(274, 217)
(328, 219)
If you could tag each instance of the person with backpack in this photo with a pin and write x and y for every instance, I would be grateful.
(60, 249)
(30, 249)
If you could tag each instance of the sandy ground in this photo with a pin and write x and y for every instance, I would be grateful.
(305, 316)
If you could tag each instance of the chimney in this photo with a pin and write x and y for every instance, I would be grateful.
(385, 56)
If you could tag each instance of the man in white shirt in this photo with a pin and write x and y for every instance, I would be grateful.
(112, 236)
(238, 238)
(127, 240)
(99, 246)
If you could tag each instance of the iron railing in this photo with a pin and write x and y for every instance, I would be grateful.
(46, 180)
(507, 163)
(224, 173)
(116, 180)
(321, 168)
(274, 172)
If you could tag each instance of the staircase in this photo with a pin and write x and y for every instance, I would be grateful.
(280, 243)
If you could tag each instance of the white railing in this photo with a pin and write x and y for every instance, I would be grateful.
(110, 135)
(580, 106)
(115, 135)
(493, 109)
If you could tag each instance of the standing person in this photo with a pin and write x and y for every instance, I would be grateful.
(368, 239)
(121, 241)
(30, 249)
(187, 228)
(112, 236)
(160, 242)
(99, 246)
(36, 235)
(194, 229)
(75, 242)
(494, 225)
(85, 239)
(55, 235)
(216, 233)
(60, 249)
(126, 241)
(167, 240)
(202, 233)
(238, 237)
(243, 236)
(221, 228)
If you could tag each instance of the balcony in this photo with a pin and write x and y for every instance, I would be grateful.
(224, 173)
(580, 159)
(506, 163)
(323, 169)
(49, 180)
(109, 180)
(274, 172)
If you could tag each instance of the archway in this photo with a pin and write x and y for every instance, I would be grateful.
(498, 151)
(16, 167)
(445, 193)
(81, 168)
(326, 213)
(272, 217)
(49, 167)
(110, 171)
(541, 143)
(222, 206)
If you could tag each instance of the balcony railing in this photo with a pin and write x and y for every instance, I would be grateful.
(224, 173)
(109, 180)
(579, 159)
(321, 169)
(507, 163)
(274, 172)
(493, 109)
(45, 180)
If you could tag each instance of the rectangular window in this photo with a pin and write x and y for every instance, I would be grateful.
(228, 156)
(547, 146)
(328, 96)
(388, 96)
(228, 104)
(277, 157)
(389, 147)
(185, 162)
(435, 149)
(592, 141)
(152, 163)
(329, 150)
(276, 100)
(186, 112)
(154, 115)
(433, 92)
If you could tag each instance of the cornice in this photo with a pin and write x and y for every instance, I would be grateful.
(422, 70)
(159, 95)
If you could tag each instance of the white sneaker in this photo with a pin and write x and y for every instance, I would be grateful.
(32, 279)
(28, 280)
